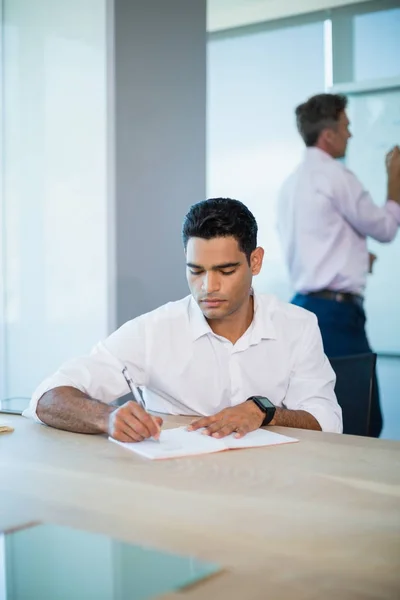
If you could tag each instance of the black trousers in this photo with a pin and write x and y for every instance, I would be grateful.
(342, 326)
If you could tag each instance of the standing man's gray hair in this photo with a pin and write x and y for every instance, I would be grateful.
(318, 113)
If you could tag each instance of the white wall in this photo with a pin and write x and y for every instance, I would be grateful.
(55, 202)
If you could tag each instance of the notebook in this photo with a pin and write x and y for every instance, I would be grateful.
(179, 442)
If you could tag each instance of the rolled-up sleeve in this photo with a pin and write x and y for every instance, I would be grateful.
(312, 381)
(357, 207)
(99, 374)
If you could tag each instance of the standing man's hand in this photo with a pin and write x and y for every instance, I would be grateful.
(393, 172)
(131, 423)
(239, 419)
(371, 260)
(393, 160)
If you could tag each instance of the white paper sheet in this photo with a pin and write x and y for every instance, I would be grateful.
(180, 442)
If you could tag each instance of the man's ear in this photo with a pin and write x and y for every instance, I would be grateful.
(328, 136)
(256, 260)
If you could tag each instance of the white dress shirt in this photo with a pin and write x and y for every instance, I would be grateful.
(183, 368)
(324, 218)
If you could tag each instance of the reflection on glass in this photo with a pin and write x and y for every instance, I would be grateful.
(58, 563)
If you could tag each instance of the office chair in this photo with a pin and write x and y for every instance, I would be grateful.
(354, 388)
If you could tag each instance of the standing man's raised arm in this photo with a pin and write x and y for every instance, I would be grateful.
(357, 207)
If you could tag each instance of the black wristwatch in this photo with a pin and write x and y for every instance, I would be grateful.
(266, 406)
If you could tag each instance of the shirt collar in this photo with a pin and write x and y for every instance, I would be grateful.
(198, 323)
(314, 152)
(261, 327)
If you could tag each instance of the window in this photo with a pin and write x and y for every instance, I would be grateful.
(54, 207)
(254, 83)
(377, 45)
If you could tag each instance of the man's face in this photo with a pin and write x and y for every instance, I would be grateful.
(219, 275)
(338, 138)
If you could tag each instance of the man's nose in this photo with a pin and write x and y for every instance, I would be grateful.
(211, 282)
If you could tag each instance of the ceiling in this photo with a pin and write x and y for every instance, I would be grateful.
(225, 14)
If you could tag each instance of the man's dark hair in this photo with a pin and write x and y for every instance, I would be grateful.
(318, 113)
(221, 217)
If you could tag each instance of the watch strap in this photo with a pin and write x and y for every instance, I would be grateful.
(269, 411)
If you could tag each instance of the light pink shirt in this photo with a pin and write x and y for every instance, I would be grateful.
(324, 218)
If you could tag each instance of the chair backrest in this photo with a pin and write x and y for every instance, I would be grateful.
(354, 389)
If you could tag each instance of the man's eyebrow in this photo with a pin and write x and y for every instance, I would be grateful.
(229, 265)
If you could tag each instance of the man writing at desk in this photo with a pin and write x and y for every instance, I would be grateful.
(236, 359)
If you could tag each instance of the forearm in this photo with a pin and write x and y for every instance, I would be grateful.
(295, 418)
(70, 409)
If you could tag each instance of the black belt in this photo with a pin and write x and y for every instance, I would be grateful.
(338, 296)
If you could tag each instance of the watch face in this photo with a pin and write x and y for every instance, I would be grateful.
(264, 401)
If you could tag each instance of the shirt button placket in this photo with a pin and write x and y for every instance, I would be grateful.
(234, 376)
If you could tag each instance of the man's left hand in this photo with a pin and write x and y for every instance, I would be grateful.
(239, 420)
(371, 259)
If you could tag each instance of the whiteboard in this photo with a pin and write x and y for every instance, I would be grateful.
(375, 125)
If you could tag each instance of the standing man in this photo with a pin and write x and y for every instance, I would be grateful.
(324, 219)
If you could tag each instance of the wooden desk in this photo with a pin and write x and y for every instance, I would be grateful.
(319, 519)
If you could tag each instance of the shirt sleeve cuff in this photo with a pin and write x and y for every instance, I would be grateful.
(48, 384)
(394, 209)
(328, 422)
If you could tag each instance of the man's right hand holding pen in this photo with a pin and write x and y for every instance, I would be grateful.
(131, 423)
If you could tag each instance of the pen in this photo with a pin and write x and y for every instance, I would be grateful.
(137, 395)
